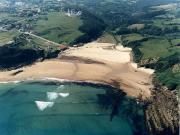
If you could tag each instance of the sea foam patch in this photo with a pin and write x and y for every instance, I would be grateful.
(64, 94)
(55, 79)
(43, 105)
(52, 95)
(10, 82)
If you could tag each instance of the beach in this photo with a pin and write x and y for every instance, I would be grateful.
(94, 62)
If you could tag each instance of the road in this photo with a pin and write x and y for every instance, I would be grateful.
(49, 41)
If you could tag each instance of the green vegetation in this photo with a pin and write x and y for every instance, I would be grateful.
(7, 36)
(168, 71)
(132, 38)
(175, 42)
(155, 48)
(58, 27)
(92, 27)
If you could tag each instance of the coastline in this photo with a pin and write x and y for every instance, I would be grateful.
(98, 63)
(56, 80)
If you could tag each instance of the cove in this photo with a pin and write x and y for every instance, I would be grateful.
(64, 108)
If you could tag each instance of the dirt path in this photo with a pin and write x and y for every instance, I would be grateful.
(49, 41)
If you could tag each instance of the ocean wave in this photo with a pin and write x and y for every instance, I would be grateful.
(43, 105)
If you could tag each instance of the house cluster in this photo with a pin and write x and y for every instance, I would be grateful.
(72, 13)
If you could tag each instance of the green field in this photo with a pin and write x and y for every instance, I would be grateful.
(133, 37)
(6, 36)
(58, 27)
(154, 48)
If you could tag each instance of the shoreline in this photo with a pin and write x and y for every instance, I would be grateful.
(97, 63)
(61, 81)
(56, 80)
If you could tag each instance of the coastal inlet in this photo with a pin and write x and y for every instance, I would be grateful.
(54, 108)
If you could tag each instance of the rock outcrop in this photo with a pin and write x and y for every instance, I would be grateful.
(162, 116)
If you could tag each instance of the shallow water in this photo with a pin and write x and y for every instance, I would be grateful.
(51, 108)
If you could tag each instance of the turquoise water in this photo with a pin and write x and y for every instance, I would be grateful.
(74, 109)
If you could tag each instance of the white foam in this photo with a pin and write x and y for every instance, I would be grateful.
(16, 81)
(64, 94)
(4, 82)
(52, 95)
(43, 105)
(55, 79)
(10, 82)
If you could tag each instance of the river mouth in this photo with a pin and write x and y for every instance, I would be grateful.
(54, 108)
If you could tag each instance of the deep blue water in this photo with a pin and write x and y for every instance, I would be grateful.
(73, 109)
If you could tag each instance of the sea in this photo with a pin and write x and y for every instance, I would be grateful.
(68, 108)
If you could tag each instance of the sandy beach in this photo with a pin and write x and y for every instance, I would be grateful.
(95, 62)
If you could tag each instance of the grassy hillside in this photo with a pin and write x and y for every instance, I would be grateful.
(155, 48)
(58, 27)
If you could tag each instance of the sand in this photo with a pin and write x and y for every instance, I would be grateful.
(94, 62)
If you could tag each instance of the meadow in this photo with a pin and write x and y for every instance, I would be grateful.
(155, 48)
(132, 37)
(58, 27)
